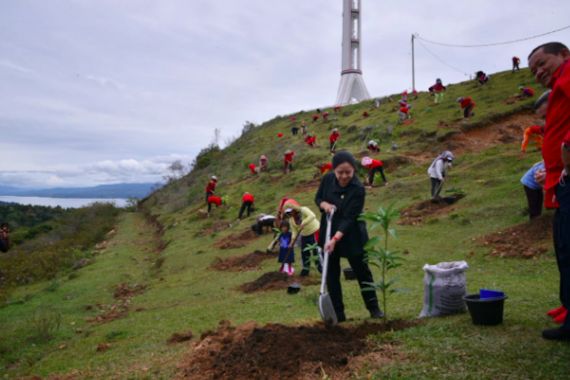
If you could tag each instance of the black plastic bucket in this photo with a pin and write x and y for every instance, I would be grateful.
(486, 311)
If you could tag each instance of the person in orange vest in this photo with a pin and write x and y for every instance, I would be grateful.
(288, 160)
(333, 138)
(373, 166)
(211, 187)
(246, 204)
(311, 140)
(467, 104)
(516, 62)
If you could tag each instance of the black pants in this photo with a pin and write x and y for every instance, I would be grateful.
(308, 254)
(332, 146)
(244, 206)
(561, 233)
(373, 172)
(534, 198)
(363, 275)
(294, 131)
(436, 186)
(467, 111)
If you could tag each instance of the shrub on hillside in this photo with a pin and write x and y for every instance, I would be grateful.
(205, 157)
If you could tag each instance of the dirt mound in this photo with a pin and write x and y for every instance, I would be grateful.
(276, 351)
(276, 281)
(396, 162)
(125, 291)
(526, 240)
(251, 261)
(236, 240)
(416, 214)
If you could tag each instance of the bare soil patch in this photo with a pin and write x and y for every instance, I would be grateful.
(276, 281)
(123, 294)
(238, 240)
(525, 240)
(276, 351)
(416, 214)
(251, 261)
(180, 337)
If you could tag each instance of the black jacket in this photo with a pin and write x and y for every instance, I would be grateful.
(349, 202)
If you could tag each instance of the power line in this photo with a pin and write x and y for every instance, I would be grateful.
(442, 61)
(493, 43)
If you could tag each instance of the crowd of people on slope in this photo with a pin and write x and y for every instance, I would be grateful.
(340, 190)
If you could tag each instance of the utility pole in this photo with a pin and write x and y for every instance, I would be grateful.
(413, 66)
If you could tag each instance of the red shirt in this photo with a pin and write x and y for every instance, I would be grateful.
(466, 102)
(252, 168)
(333, 137)
(528, 91)
(215, 200)
(325, 115)
(211, 187)
(438, 87)
(375, 164)
(311, 140)
(315, 117)
(292, 119)
(556, 130)
(247, 198)
(289, 157)
(337, 108)
(404, 109)
(326, 167)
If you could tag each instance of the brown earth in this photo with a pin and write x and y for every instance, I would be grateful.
(525, 240)
(251, 261)
(217, 226)
(238, 240)
(276, 351)
(180, 337)
(276, 281)
(125, 291)
(123, 294)
(416, 214)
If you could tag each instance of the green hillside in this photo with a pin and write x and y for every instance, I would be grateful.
(154, 276)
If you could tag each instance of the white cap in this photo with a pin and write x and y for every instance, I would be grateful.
(214, 178)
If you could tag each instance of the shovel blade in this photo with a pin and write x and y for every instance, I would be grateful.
(326, 309)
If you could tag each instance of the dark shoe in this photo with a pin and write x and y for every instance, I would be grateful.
(304, 273)
(376, 314)
(556, 334)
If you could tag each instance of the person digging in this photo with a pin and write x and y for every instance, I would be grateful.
(437, 172)
(305, 224)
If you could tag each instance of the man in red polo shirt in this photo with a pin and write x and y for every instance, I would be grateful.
(246, 204)
(550, 65)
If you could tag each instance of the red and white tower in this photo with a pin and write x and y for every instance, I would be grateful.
(352, 88)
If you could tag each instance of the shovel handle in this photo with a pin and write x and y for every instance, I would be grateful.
(326, 254)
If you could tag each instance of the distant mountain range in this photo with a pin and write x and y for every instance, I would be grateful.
(119, 190)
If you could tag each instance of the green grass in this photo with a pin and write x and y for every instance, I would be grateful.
(183, 293)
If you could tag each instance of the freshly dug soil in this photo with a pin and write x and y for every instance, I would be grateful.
(277, 351)
(180, 337)
(276, 281)
(236, 240)
(416, 214)
(525, 240)
(125, 291)
(251, 261)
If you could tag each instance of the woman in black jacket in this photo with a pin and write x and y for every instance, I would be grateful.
(341, 190)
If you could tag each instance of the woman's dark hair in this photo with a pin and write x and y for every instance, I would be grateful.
(284, 223)
(342, 157)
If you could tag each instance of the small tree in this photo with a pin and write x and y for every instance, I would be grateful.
(379, 255)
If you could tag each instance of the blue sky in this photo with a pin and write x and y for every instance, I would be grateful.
(106, 91)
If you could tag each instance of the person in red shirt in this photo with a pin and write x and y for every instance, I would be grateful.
(404, 112)
(288, 160)
(325, 116)
(373, 146)
(365, 114)
(525, 92)
(437, 90)
(292, 119)
(246, 203)
(337, 108)
(252, 168)
(311, 140)
(481, 77)
(467, 104)
(550, 65)
(324, 168)
(315, 117)
(373, 166)
(211, 187)
(516, 62)
(214, 200)
(333, 138)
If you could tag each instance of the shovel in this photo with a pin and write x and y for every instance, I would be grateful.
(326, 308)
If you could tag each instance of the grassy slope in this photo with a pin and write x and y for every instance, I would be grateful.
(184, 294)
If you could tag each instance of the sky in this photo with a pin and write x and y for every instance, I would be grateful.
(107, 91)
